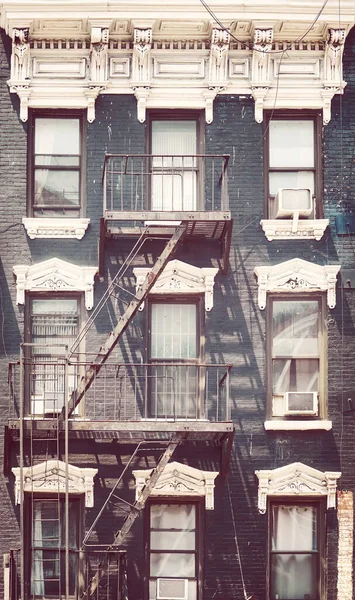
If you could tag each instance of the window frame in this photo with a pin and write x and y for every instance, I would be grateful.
(322, 341)
(199, 561)
(31, 167)
(319, 504)
(29, 522)
(180, 115)
(292, 115)
(30, 297)
(198, 301)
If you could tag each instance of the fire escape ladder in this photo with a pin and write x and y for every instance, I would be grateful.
(123, 321)
(134, 511)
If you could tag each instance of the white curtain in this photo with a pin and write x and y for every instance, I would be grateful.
(37, 581)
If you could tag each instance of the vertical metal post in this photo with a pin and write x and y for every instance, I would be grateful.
(66, 452)
(22, 519)
(105, 185)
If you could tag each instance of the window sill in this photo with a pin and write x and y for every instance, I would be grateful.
(281, 229)
(62, 228)
(306, 425)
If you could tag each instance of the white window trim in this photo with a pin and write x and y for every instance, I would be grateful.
(297, 425)
(182, 278)
(283, 229)
(295, 276)
(296, 480)
(179, 480)
(54, 228)
(55, 275)
(50, 476)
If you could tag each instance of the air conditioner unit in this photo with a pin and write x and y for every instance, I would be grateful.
(293, 201)
(301, 403)
(172, 589)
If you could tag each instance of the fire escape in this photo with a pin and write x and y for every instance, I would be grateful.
(166, 200)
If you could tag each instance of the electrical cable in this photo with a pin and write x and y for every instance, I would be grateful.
(251, 47)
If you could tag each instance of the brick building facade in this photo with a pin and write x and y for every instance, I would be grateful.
(177, 301)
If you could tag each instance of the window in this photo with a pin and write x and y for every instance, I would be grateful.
(53, 327)
(295, 551)
(293, 165)
(297, 356)
(56, 165)
(174, 351)
(175, 167)
(173, 550)
(48, 547)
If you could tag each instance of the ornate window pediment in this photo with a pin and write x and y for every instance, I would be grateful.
(296, 479)
(297, 275)
(180, 480)
(50, 476)
(55, 275)
(180, 277)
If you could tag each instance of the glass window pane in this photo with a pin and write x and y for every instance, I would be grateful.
(173, 516)
(294, 576)
(291, 143)
(295, 328)
(290, 179)
(57, 136)
(177, 565)
(176, 138)
(56, 188)
(295, 375)
(173, 331)
(294, 528)
(172, 540)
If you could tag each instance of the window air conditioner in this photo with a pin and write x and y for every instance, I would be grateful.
(301, 403)
(172, 589)
(293, 201)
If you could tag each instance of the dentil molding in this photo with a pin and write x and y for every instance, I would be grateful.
(50, 476)
(64, 228)
(283, 229)
(55, 275)
(181, 278)
(296, 275)
(296, 480)
(177, 480)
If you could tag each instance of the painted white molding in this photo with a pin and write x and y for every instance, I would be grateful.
(218, 63)
(282, 229)
(50, 476)
(20, 57)
(260, 69)
(182, 278)
(179, 480)
(99, 54)
(295, 480)
(296, 275)
(299, 425)
(55, 275)
(46, 227)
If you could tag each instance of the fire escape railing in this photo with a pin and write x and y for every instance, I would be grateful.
(166, 391)
(164, 183)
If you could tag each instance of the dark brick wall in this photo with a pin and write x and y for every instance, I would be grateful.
(235, 533)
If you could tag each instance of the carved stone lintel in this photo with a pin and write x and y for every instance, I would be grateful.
(142, 94)
(297, 275)
(182, 278)
(46, 227)
(281, 229)
(218, 64)
(20, 58)
(179, 480)
(99, 54)
(295, 480)
(50, 477)
(55, 275)
(141, 68)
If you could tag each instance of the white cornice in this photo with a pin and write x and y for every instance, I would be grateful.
(296, 480)
(55, 275)
(282, 229)
(45, 227)
(181, 278)
(295, 276)
(177, 480)
(50, 476)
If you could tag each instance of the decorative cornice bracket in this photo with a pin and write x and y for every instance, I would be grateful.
(51, 476)
(218, 63)
(296, 275)
(55, 275)
(296, 480)
(182, 278)
(260, 68)
(99, 54)
(177, 480)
